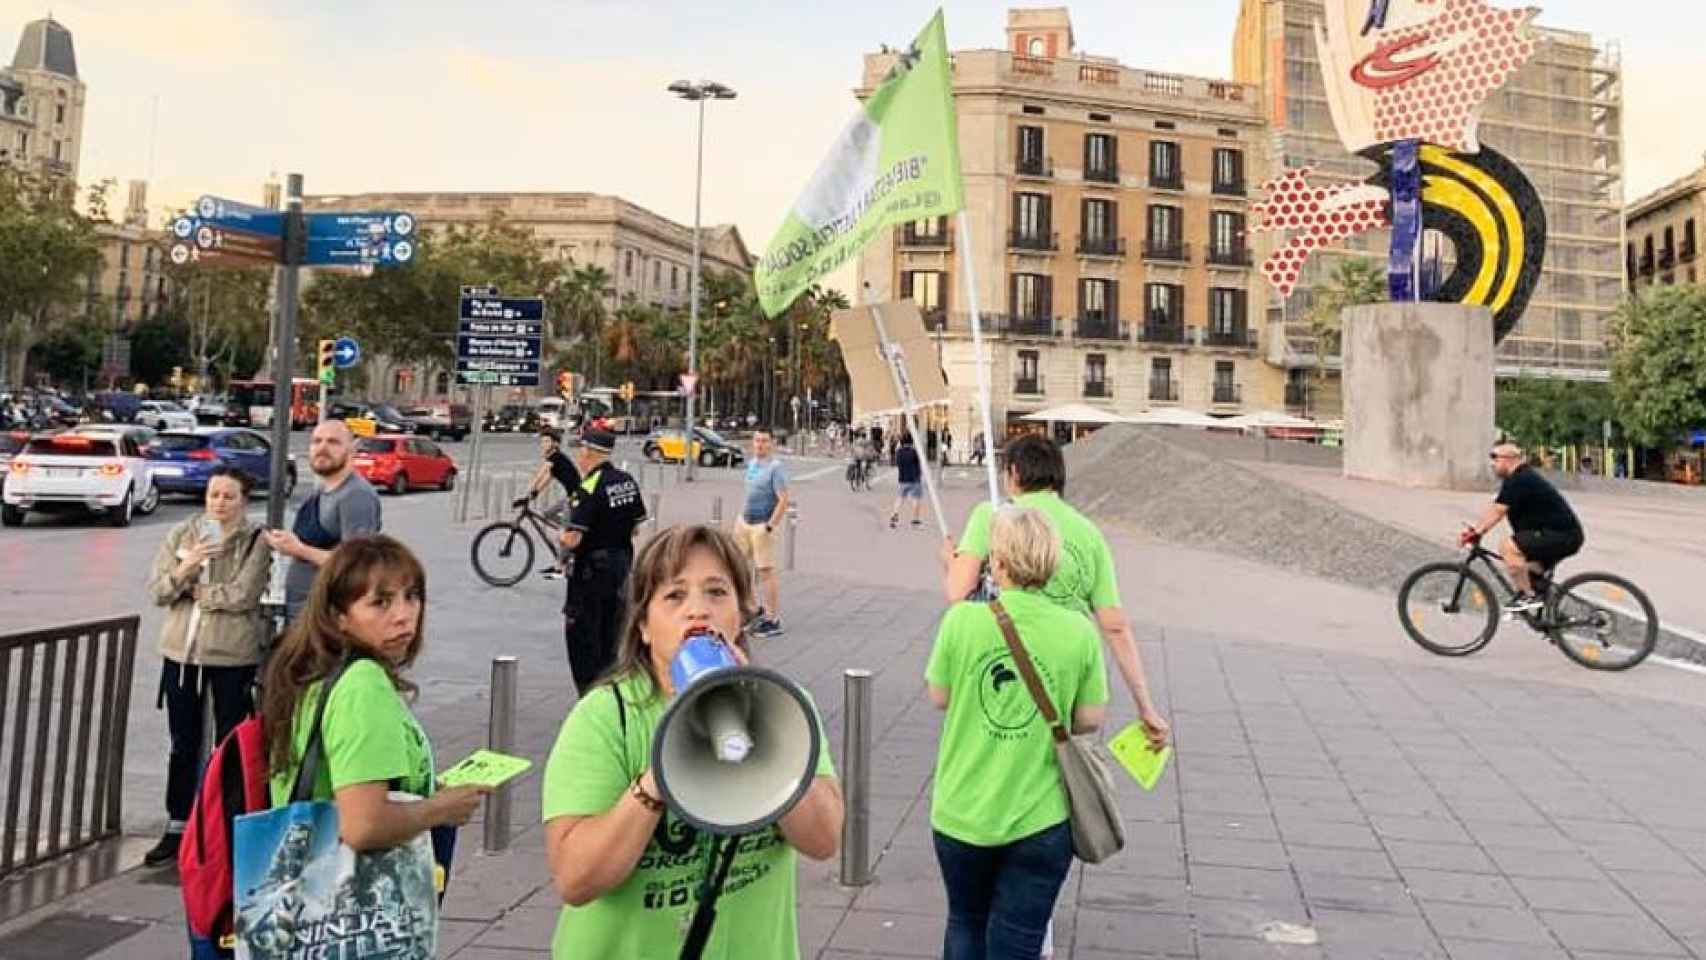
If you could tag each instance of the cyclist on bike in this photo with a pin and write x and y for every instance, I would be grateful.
(864, 457)
(553, 464)
(1544, 530)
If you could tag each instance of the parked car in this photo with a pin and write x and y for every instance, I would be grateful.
(182, 462)
(709, 448)
(10, 443)
(102, 471)
(445, 420)
(164, 415)
(553, 411)
(208, 409)
(367, 420)
(398, 463)
(512, 418)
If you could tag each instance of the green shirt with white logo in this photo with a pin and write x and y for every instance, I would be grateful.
(997, 780)
(1084, 581)
(369, 736)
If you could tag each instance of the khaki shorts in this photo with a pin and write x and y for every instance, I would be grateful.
(758, 543)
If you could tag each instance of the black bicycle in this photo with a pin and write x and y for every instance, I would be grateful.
(859, 474)
(1600, 620)
(502, 552)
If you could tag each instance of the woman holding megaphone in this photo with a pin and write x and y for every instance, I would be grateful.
(631, 868)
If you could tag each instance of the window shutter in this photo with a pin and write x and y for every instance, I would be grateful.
(1113, 152)
(1046, 220)
(1238, 166)
(1241, 308)
(906, 284)
(1012, 294)
(1045, 296)
(1083, 298)
(1017, 224)
(942, 280)
(1113, 304)
(1089, 141)
(1114, 221)
(1084, 230)
(1238, 234)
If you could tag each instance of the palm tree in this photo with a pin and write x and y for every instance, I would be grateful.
(1354, 281)
(587, 292)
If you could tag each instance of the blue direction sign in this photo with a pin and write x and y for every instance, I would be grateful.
(357, 239)
(231, 215)
(346, 353)
(500, 340)
(503, 308)
(498, 348)
(503, 373)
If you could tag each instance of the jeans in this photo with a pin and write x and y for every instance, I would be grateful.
(1000, 898)
(182, 689)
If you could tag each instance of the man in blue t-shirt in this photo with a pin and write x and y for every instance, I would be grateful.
(766, 504)
(911, 483)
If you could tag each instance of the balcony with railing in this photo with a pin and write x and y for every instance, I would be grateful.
(1647, 264)
(910, 238)
(1227, 394)
(1041, 241)
(1166, 181)
(1028, 386)
(1107, 173)
(1163, 332)
(1163, 390)
(1686, 252)
(1235, 256)
(1229, 188)
(1238, 336)
(1667, 258)
(1039, 167)
(1098, 328)
(1297, 396)
(1098, 390)
(1022, 325)
(1100, 246)
(1166, 250)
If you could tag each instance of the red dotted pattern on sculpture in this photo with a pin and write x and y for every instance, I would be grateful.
(1306, 211)
(1437, 105)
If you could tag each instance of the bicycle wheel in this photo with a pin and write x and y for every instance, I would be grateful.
(1448, 608)
(502, 553)
(1602, 621)
(853, 477)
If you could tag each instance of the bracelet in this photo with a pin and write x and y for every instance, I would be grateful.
(646, 800)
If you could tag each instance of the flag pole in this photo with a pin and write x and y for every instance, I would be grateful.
(980, 361)
(895, 356)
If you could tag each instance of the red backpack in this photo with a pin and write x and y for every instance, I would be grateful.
(234, 783)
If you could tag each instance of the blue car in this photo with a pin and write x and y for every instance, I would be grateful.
(181, 461)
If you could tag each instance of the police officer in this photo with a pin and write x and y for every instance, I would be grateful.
(604, 510)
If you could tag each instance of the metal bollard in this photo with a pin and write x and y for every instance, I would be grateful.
(717, 511)
(657, 507)
(500, 736)
(856, 782)
(792, 532)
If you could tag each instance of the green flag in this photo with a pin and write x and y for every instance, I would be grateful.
(897, 160)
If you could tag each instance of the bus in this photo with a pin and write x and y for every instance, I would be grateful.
(251, 403)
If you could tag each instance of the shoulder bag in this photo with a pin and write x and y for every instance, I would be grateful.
(1097, 832)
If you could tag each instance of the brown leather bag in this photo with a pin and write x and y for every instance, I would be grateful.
(1097, 832)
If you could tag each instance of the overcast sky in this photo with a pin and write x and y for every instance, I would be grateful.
(216, 95)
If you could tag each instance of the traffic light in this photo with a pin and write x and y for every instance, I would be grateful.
(566, 383)
(328, 361)
(627, 391)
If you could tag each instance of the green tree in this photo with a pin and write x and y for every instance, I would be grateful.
(1658, 364)
(224, 315)
(156, 346)
(47, 252)
(1354, 281)
(70, 353)
(1555, 413)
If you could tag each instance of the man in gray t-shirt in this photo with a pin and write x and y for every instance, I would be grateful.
(766, 504)
(344, 506)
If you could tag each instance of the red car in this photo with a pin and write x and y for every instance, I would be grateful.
(398, 463)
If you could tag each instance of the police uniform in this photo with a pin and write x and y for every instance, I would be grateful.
(604, 508)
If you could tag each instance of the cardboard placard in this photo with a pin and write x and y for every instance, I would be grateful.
(867, 368)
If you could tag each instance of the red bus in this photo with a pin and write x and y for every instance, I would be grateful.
(251, 403)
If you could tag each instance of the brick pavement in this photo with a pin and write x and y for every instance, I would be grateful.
(1328, 775)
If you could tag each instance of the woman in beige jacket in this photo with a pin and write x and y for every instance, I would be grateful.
(209, 574)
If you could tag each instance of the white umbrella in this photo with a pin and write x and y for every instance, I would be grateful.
(1076, 413)
(1270, 418)
(1176, 417)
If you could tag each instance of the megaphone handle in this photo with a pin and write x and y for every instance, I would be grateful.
(699, 933)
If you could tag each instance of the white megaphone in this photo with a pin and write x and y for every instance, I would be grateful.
(739, 745)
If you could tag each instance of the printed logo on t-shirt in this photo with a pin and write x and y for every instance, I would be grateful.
(1001, 693)
(621, 494)
(674, 863)
(1071, 581)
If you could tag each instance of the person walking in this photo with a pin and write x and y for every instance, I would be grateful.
(911, 478)
(554, 464)
(367, 607)
(344, 506)
(626, 869)
(1085, 583)
(604, 511)
(977, 448)
(209, 574)
(998, 806)
(755, 530)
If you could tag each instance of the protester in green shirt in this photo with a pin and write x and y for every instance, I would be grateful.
(366, 604)
(1035, 476)
(999, 808)
(627, 870)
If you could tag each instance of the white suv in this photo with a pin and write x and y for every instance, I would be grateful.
(99, 470)
(164, 415)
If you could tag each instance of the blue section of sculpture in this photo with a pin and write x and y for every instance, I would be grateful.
(1401, 279)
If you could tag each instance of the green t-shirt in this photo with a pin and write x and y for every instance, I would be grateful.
(996, 776)
(645, 918)
(1084, 580)
(369, 734)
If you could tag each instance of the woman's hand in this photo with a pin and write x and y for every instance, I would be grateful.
(456, 805)
(194, 557)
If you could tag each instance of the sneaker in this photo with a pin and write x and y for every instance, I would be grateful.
(894, 522)
(552, 573)
(917, 524)
(1522, 603)
(164, 852)
(767, 627)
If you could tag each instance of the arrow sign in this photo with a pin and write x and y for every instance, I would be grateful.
(513, 373)
(688, 382)
(500, 328)
(503, 308)
(220, 212)
(346, 353)
(508, 348)
(379, 238)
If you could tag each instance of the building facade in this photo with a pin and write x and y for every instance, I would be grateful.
(41, 102)
(1559, 119)
(1664, 234)
(1108, 229)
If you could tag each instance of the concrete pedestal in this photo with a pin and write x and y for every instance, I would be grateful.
(1418, 380)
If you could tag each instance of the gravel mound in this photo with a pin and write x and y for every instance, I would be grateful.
(1134, 478)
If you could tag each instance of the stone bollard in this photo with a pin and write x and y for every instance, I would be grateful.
(500, 736)
(792, 533)
(856, 757)
(717, 511)
(656, 511)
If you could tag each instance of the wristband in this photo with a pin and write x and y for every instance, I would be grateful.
(646, 800)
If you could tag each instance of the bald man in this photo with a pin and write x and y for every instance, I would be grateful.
(344, 505)
(1544, 530)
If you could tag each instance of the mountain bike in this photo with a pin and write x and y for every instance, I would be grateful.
(502, 552)
(1600, 620)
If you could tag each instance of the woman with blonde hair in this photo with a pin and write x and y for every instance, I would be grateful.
(628, 870)
(999, 808)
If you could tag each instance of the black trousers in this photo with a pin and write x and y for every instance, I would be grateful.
(183, 690)
(592, 613)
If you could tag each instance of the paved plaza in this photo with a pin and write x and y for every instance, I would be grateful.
(1337, 792)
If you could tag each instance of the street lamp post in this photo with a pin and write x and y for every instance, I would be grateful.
(702, 91)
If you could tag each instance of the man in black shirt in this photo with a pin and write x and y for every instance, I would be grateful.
(911, 483)
(1544, 530)
(605, 509)
(554, 465)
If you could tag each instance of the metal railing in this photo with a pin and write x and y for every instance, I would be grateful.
(1229, 256)
(74, 683)
(1027, 240)
(1646, 263)
(1099, 329)
(1097, 246)
(1164, 391)
(1667, 258)
(1241, 337)
(1175, 181)
(1163, 333)
(1024, 326)
(1176, 250)
(1228, 393)
(1100, 389)
(1297, 396)
(1229, 188)
(1687, 252)
(1033, 166)
(1029, 386)
(929, 241)
(1110, 174)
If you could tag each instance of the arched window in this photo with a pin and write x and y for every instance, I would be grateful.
(1037, 46)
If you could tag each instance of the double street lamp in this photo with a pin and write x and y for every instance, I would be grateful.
(702, 91)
